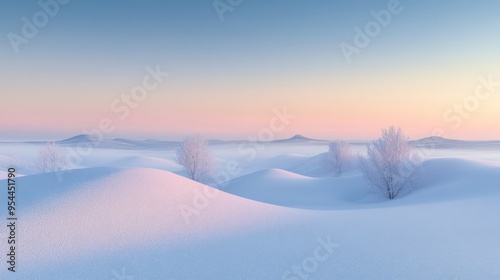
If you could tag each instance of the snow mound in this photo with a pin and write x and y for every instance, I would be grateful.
(448, 179)
(287, 159)
(285, 188)
(147, 162)
(113, 223)
(105, 210)
(441, 180)
(315, 166)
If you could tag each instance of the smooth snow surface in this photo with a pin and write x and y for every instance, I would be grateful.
(121, 214)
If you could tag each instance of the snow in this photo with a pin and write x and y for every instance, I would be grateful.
(280, 187)
(147, 162)
(117, 214)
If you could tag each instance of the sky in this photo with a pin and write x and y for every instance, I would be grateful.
(429, 67)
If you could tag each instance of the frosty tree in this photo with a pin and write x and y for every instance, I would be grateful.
(339, 156)
(195, 158)
(392, 164)
(51, 158)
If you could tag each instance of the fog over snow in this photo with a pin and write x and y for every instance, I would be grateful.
(284, 215)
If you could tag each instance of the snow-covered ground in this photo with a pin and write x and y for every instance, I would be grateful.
(129, 213)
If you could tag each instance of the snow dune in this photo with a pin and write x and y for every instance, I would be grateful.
(101, 210)
(147, 162)
(106, 221)
(280, 187)
(456, 179)
(441, 180)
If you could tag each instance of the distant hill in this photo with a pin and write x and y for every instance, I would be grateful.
(124, 143)
(445, 143)
(82, 138)
(435, 139)
(116, 143)
(298, 139)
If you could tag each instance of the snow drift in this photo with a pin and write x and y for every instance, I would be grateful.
(108, 222)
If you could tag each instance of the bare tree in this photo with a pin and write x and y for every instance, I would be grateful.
(51, 158)
(339, 156)
(195, 158)
(392, 164)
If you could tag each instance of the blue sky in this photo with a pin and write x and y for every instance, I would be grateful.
(262, 55)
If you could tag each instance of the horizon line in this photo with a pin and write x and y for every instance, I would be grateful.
(176, 139)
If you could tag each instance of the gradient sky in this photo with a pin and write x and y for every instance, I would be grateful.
(227, 76)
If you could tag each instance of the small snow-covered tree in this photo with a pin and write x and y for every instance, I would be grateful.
(392, 164)
(195, 158)
(339, 156)
(51, 158)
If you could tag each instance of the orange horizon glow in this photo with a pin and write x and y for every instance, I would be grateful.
(324, 109)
